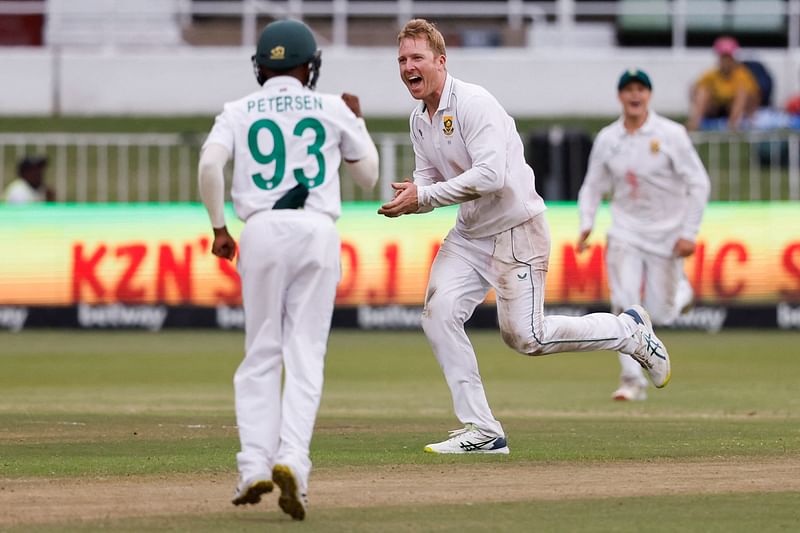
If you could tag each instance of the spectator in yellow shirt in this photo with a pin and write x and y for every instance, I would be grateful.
(728, 90)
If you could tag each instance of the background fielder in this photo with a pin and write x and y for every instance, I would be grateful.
(287, 143)
(658, 189)
(468, 152)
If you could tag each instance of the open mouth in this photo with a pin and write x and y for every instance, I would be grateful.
(414, 81)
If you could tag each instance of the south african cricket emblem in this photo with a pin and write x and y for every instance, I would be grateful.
(655, 146)
(447, 121)
(277, 53)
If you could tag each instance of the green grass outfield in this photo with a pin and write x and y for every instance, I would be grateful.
(81, 408)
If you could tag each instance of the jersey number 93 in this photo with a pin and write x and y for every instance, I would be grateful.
(278, 153)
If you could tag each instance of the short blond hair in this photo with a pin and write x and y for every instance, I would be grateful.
(416, 28)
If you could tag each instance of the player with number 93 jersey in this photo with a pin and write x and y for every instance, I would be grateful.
(287, 143)
(286, 134)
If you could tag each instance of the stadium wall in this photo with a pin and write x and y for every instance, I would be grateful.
(189, 81)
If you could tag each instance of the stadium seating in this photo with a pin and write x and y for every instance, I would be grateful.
(637, 27)
(752, 22)
(93, 22)
(705, 17)
(763, 78)
(760, 18)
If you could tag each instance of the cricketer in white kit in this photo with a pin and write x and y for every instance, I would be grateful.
(287, 143)
(658, 190)
(468, 152)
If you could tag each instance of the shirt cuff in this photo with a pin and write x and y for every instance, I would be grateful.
(423, 195)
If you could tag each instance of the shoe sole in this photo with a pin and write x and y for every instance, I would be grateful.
(254, 492)
(288, 502)
(502, 451)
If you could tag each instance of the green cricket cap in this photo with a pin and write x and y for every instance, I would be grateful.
(284, 44)
(632, 75)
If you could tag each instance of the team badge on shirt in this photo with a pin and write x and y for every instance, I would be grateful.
(447, 122)
(655, 146)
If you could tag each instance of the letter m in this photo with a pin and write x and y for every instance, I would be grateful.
(586, 279)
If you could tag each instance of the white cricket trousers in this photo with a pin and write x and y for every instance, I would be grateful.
(514, 263)
(289, 265)
(639, 277)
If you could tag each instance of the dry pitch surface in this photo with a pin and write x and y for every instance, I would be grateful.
(21, 500)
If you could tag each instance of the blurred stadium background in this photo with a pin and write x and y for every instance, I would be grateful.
(118, 94)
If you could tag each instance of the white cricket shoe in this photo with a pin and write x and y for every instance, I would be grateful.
(250, 490)
(293, 500)
(650, 352)
(469, 439)
(630, 390)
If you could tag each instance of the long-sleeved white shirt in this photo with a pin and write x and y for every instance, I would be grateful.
(281, 135)
(657, 184)
(471, 154)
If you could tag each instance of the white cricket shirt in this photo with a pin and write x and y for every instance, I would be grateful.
(657, 184)
(20, 192)
(285, 134)
(471, 154)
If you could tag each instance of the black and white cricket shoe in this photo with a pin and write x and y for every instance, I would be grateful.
(650, 352)
(469, 439)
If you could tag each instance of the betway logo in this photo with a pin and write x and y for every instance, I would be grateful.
(117, 315)
(13, 318)
(390, 317)
(710, 319)
(230, 317)
(788, 316)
